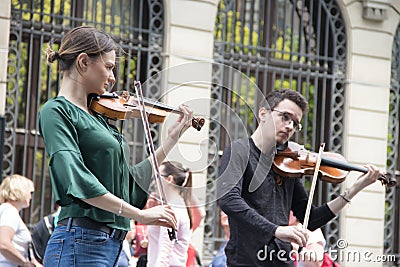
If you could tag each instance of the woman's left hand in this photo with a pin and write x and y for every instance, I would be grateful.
(182, 124)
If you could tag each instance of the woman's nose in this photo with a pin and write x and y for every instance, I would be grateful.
(111, 77)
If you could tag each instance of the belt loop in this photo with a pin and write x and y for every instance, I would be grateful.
(69, 224)
(112, 233)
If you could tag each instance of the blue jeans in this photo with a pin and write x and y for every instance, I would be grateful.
(75, 246)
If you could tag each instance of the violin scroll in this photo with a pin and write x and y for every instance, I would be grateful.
(198, 123)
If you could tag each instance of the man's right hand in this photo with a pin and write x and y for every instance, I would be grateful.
(292, 234)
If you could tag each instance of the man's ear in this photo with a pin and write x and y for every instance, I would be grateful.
(262, 112)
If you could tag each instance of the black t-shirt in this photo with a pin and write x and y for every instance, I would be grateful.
(257, 201)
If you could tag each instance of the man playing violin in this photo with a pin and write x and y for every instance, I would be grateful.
(258, 201)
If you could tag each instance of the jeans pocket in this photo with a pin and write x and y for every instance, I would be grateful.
(95, 248)
(93, 237)
(53, 252)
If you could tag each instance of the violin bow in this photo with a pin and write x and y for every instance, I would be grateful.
(312, 189)
(150, 144)
(313, 185)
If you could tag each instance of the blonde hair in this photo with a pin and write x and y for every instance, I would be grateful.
(15, 188)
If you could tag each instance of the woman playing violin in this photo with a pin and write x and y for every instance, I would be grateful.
(258, 201)
(97, 191)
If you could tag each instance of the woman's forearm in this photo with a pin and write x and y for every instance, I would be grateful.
(12, 254)
(111, 203)
(160, 215)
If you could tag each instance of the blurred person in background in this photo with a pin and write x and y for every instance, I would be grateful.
(312, 254)
(161, 251)
(219, 259)
(15, 195)
(126, 256)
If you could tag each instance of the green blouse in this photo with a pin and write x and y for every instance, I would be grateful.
(88, 158)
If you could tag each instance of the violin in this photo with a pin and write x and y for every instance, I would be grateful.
(294, 161)
(123, 105)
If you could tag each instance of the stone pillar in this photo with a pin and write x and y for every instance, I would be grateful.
(5, 16)
(189, 42)
(370, 42)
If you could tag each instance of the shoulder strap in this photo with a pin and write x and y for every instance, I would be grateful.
(48, 224)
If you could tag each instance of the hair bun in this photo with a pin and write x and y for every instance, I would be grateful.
(52, 56)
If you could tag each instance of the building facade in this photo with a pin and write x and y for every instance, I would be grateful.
(221, 57)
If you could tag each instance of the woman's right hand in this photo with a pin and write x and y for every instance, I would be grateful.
(158, 215)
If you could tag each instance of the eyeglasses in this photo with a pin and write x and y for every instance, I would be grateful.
(287, 119)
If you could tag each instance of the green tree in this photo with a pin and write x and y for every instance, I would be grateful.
(230, 30)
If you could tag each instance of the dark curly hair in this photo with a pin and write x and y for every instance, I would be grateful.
(277, 96)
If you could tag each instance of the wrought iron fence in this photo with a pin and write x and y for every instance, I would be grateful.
(137, 26)
(392, 208)
(266, 45)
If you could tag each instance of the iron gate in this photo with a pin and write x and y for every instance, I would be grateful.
(136, 25)
(392, 208)
(266, 45)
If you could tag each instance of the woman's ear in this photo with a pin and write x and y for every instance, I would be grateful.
(82, 62)
(170, 179)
